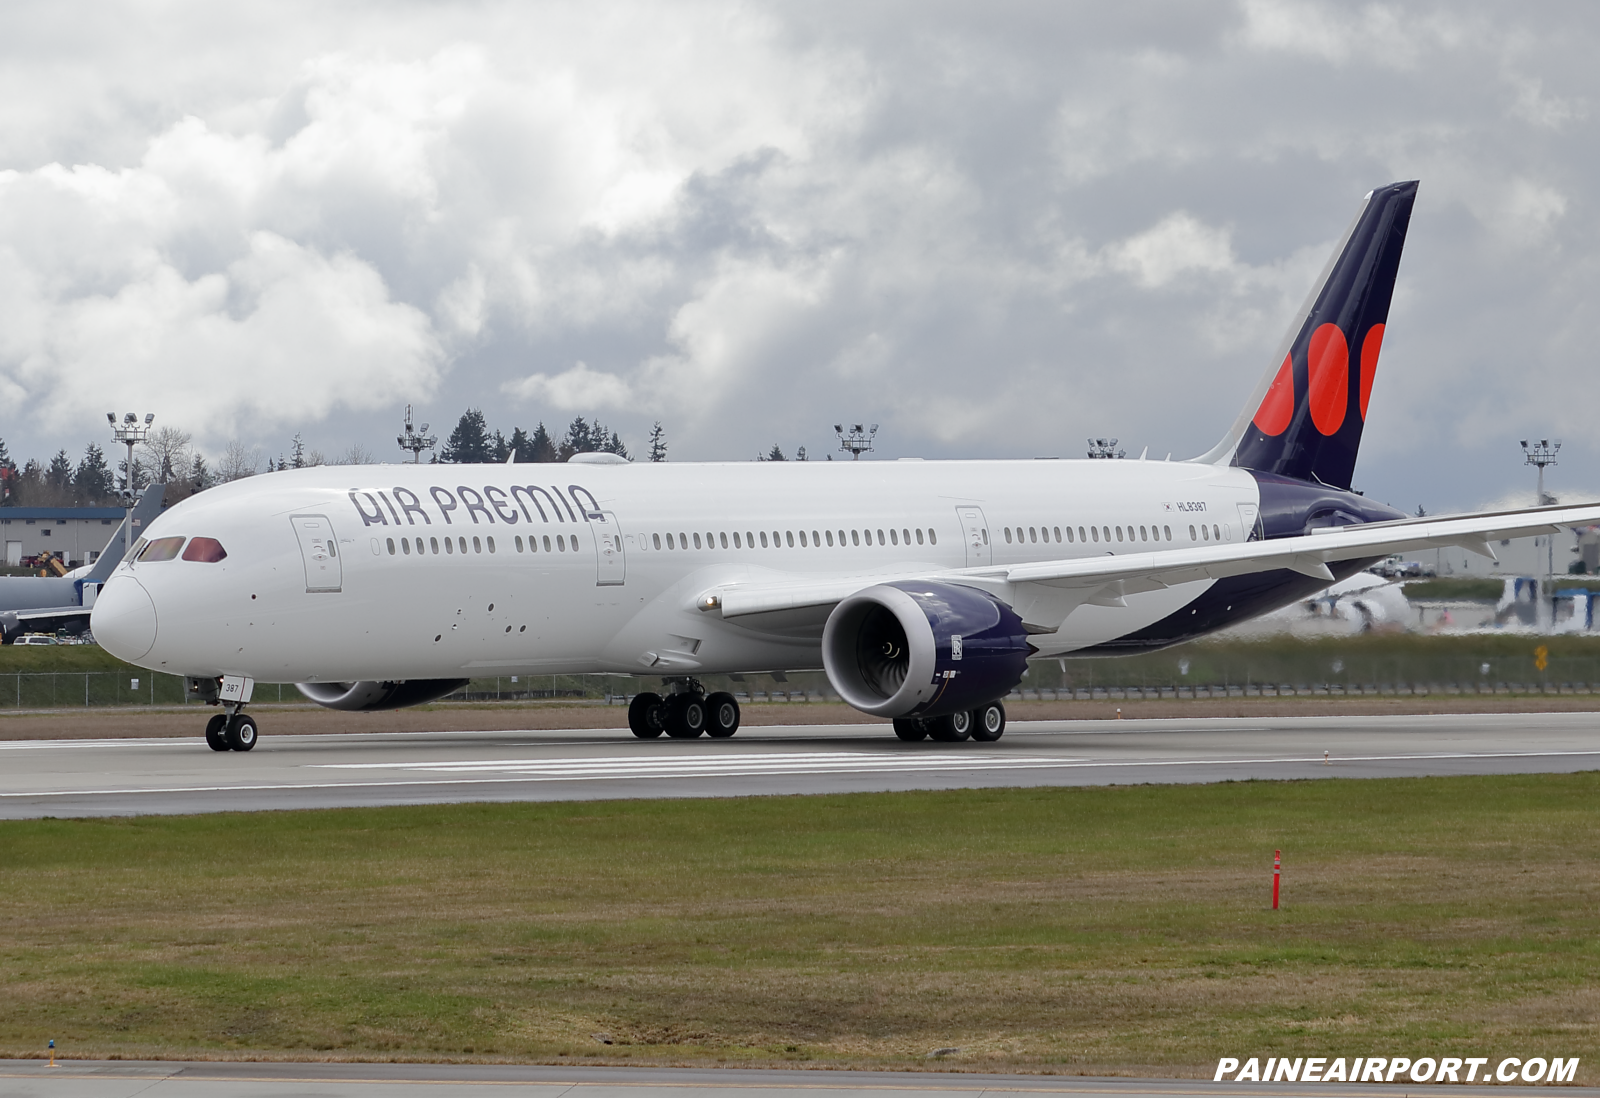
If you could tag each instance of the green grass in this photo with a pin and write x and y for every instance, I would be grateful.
(1486, 590)
(1061, 929)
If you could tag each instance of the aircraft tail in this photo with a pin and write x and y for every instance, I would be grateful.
(1305, 418)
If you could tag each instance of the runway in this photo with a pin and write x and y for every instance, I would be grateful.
(125, 1079)
(181, 775)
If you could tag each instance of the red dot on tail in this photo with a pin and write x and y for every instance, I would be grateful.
(1278, 406)
(1369, 363)
(1328, 368)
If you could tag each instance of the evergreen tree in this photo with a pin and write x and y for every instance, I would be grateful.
(615, 446)
(518, 445)
(540, 446)
(8, 474)
(297, 451)
(501, 448)
(658, 443)
(92, 480)
(800, 454)
(469, 443)
(59, 475)
(577, 440)
(776, 453)
(199, 475)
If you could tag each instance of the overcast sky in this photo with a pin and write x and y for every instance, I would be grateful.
(992, 228)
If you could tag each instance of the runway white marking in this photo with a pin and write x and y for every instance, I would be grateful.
(677, 766)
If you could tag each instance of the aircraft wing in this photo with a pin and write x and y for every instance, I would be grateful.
(1044, 593)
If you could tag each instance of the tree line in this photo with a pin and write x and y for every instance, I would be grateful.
(168, 456)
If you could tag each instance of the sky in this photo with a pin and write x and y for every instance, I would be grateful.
(991, 229)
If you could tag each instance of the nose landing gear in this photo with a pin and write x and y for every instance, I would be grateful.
(232, 729)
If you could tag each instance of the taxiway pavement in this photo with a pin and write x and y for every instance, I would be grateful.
(127, 1079)
(181, 775)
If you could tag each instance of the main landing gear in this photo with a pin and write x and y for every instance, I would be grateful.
(685, 714)
(986, 724)
(231, 731)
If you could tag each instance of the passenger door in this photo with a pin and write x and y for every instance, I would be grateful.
(975, 533)
(320, 551)
(610, 564)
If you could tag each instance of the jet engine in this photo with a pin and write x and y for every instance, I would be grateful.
(920, 649)
(367, 697)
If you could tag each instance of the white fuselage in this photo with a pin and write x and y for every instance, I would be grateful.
(443, 571)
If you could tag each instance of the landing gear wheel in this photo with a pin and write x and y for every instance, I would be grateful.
(722, 715)
(242, 732)
(989, 722)
(910, 729)
(645, 715)
(951, 728)
(686, 716)
(217, 732)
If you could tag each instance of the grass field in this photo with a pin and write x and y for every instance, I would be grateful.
(1082, 930)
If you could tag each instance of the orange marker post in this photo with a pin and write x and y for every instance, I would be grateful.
(1277, 871)
(52, 1052)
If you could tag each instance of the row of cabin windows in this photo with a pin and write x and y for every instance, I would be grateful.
(563, 543)
(1105, 533)
(781, 538)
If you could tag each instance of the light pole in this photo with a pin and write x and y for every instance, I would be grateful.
(414, 440)
(1539, 455)
(856, 441)
(1105, 449)
(130, 432)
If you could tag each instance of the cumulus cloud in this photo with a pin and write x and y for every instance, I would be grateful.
(993, 232)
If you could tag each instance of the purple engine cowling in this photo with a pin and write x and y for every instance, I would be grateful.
(923, 649)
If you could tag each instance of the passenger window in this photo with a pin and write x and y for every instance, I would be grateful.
(547, 543)
(683, 541)
(1205, 535)
(905, 536)
(919, 535)
(1069, 533)
(803, 543)
(463, 545)
(1142, 536)
(210, 550)
(1081, 536)
(1058, 533)
(1119, 533)
(449, 546)
(749, 540)
(670, 543)
(841, 539)
(1216, 534)
(477, 546)
(880, 538)
(1033, 535)
(763, 539)
(830, 538)
(1095, 530)
(434, 542)
(1008, 535)
(1168, 530)
(390, 543)
(1106, 530)
(816, 540)
(736, 543)
(657, 539)
(789, 537)
(405, 543)
(519, 543)
(490, 542)
(697, 540)
(855, 538)
(725, 539)
(894, 537)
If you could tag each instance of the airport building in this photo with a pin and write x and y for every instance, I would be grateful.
(78, 532)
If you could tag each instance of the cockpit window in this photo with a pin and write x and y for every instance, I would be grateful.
(161, 549)
(138, 547)
(205, 550)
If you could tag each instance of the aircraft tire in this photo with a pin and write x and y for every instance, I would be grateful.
(989, 722)
(952, 727)
(242, 732)
(722, 715)
(910, 729)
(217, 732)
(645, 714)
(686, 716)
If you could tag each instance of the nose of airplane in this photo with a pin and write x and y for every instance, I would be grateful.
(124, 619)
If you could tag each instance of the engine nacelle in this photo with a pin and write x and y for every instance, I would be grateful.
(366, 697)
(910, 649)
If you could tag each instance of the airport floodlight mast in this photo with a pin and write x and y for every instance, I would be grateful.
(130, 432)
(1104, 449)
(856, 441)
(1540, 454)
(416, 440)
